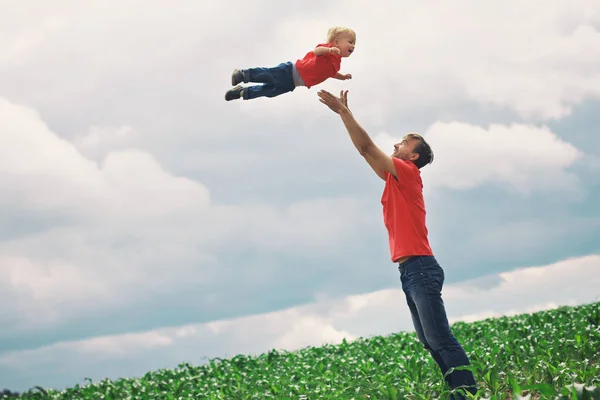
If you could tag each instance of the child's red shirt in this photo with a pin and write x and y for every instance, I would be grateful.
(315, 69)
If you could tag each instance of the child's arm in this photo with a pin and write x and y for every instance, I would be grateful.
(343, 77)
(319, 51)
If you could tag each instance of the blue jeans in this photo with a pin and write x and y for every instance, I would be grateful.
(275, 81)
(422, 280)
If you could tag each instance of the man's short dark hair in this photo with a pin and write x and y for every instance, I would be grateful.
(423, 149)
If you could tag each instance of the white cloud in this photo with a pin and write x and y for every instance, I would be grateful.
(525, 290)
(523, 157)
(37, 286)
(536, 58)
(308, 331)
(130, 229)
(101, 140)
(127, 344)
(18, 35)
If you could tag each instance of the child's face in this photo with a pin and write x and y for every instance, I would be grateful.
(346, 44)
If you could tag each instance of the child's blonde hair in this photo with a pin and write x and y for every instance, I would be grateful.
(336, 31)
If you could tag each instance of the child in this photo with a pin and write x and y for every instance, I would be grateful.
(316, 66)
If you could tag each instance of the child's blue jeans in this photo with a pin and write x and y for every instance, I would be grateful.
(422, 280)
(275, 81)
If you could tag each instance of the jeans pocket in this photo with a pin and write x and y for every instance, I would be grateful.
(414, 271)
(435, 275)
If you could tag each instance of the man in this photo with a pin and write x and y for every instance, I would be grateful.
(404, 217)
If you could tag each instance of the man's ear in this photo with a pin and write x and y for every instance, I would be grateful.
(414, 156)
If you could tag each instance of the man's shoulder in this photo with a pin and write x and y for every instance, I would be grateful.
(406, 168)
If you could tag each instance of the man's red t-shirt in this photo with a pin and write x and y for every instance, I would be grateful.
(315, 69)
(404, 211)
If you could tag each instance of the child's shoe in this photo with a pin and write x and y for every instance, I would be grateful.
(237, 77)
(234, 93)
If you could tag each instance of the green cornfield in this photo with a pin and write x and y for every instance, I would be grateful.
(551, 354)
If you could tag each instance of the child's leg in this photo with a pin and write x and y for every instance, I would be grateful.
(265, 90)
(272, 75)
(276, 81)
(252, 92)
(256, 75)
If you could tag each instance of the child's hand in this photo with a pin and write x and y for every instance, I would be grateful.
(334, 50)
(342, 77)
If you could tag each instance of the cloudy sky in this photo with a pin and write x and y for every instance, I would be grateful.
(146, 220)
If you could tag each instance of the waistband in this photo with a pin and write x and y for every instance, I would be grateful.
(416, 260)
(298, 81)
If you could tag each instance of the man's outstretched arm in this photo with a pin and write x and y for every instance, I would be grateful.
(377, 159)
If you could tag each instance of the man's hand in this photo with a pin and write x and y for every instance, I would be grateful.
(380, 162)
(336, 104)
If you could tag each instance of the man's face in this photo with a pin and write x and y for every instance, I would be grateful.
(405, 149)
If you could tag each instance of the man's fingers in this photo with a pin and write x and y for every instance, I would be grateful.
(330, 100)
(325, 95)
(327, 103)
(327, 98)
(344, 97)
